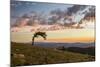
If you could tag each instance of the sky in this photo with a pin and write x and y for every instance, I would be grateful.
(50, 12)
(19, 8)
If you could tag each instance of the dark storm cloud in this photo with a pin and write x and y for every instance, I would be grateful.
(91, 12)
(75, 9)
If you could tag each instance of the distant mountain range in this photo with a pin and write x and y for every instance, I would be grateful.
(66, 45)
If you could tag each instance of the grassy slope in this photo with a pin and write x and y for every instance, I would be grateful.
(26, 54)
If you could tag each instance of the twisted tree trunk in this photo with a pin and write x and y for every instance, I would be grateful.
(33, 40)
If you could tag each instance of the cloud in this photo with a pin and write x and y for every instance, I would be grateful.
(91, 12)
(74, 9)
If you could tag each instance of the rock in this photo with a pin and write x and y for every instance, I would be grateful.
(19, 55)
